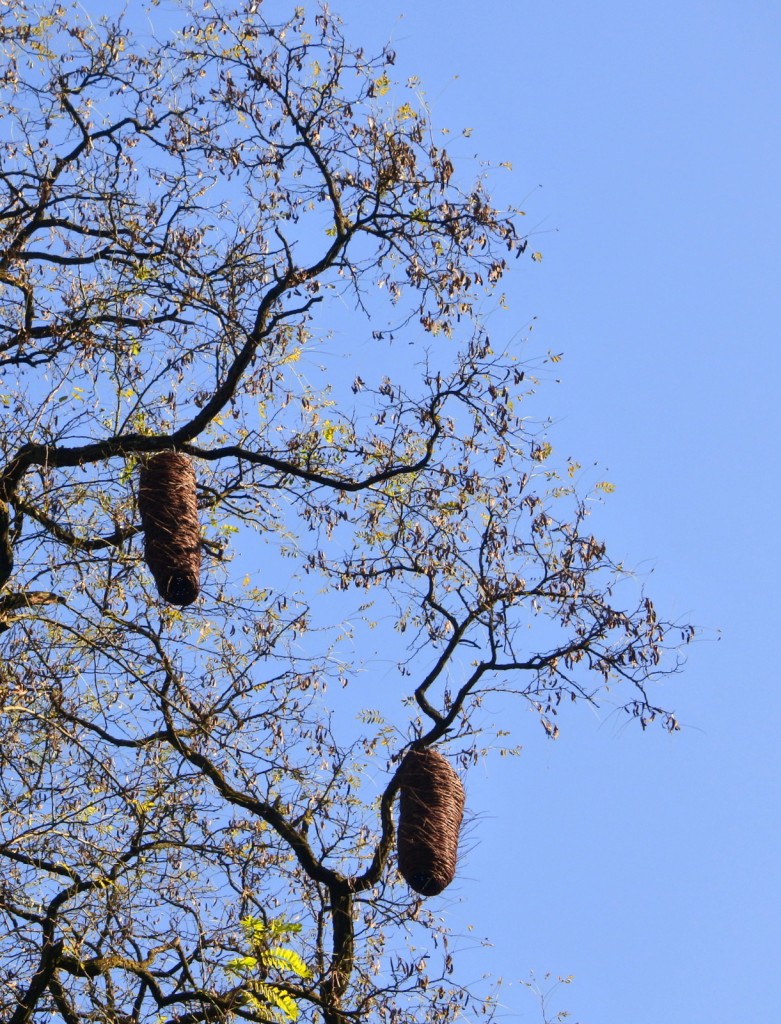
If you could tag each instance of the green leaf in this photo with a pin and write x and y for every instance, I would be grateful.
(285, 960)
(275, 997)
(240, 964)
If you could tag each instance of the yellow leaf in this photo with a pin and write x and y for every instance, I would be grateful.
(405, 113)
(541, 454)
(537, 257)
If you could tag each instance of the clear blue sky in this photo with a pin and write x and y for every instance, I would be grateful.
(647, 866)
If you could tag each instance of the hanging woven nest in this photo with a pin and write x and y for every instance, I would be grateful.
(172, 533)
(431, 807)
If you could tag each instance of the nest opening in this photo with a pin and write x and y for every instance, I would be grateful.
(172, 533)
(431, 809)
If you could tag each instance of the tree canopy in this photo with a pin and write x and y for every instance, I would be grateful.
(242, 242)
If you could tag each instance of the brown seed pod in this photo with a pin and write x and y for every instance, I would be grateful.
(172, 533)
(431, 807)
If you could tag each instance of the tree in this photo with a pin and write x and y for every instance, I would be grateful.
(242, 243)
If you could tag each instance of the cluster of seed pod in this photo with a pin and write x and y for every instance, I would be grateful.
(431, 808)
(172, 533)
(431, 804)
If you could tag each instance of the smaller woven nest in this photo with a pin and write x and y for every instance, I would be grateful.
(172, 533)
(431, 807)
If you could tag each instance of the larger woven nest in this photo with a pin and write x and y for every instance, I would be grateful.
(172, 533)
(431, 808)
